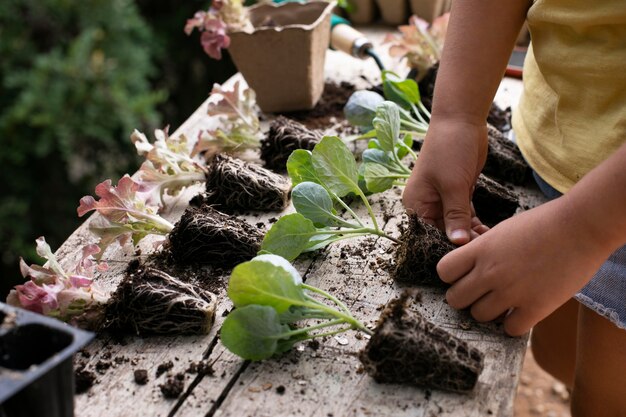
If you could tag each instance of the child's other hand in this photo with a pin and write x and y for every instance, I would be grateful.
(441, 184)
(531, 263)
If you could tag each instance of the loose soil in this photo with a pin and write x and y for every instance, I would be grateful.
(141, 376)
(173, 386)
(203, 235)
(493, 202)
(284, 137)
(504, 159)
(83, 380)
(407, 349)
(328, 110)
(149, 301)
(233, 184)
(417, 256)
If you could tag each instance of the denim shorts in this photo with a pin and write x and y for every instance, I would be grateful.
(606, 292)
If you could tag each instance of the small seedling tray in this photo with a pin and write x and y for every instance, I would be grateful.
(36, 372)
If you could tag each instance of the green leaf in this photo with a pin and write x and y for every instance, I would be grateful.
(267, 280)
(376, 156)
(377, 177)
(289, 236)
(253, 332)
(402, 92)
(408, 144)
(387, 125)
(313, 202)
(335, 166)
(300, 167)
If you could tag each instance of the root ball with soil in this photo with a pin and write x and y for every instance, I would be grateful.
(204, 235)
(149, 301)
(284, 137)
(407, 349)
(422, 246)
(233, 184)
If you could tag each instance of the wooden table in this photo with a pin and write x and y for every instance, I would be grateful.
(323, 381)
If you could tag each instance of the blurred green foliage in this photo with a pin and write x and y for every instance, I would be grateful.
(76, 77)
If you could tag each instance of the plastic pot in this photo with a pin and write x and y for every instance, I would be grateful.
(282, 58)
(36, 369)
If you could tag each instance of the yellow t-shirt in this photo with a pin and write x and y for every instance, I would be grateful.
(572, 114)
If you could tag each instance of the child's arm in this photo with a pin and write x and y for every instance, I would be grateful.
(478, 44)
(537, 260)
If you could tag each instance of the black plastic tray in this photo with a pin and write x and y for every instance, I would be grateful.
(36, 369)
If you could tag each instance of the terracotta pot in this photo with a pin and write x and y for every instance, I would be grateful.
(284, 63)
(364, 11)
(429, 9)
(394, 12)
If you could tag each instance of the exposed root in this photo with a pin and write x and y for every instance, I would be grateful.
(284, 137)
(233, 184)
(149, 301)
(417, 256)
(408, 349)
(204, 235)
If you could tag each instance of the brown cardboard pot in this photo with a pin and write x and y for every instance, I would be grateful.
(283, 62)
(394, 12)
(429, 10)
(364, 11)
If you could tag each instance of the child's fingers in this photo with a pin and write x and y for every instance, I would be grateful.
(456, 264)
(489, 307)
(466, 291)
(519, 322)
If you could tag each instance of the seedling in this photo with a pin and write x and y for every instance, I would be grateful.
(270, 299)
(238, 127)
(125, 215)
(322, 178)
(51, 291)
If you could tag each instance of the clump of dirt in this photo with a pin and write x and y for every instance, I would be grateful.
(83, 380)
(233, 184)
(149, 301)
(164, 367)
(423, 245)
(328, 109)
(504, 159)
(202, 368)
(408, 349)
(493, 202)
(141, 376)
(173, 386)
(284, 137)
(204, 235)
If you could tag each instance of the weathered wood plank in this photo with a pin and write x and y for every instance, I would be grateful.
(328, 376)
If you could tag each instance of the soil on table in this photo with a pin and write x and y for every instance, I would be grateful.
(422, 246)
(204, 235)
(504, 159)
(284, 137)
(493, 202)
(83, 380)
(328, 110)
(140, 376)
(149, 301)
(233, 184)
(173, 386)
(408, 349)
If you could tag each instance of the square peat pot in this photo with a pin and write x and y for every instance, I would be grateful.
(282, 58)
(36, 369)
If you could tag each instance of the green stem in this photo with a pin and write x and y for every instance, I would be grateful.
(347, 207)
(308, 329)
(326, 295)
(369, 209)
(424, 109)
(399, 183)
(418, 114)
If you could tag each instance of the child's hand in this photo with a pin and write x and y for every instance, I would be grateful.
(531, 263)
(441, 184)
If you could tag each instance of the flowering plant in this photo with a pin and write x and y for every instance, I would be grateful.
(52, 291)
(214, 24)
(420, 42)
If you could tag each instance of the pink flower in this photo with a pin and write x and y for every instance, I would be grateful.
(214, 38)
(196, 22)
